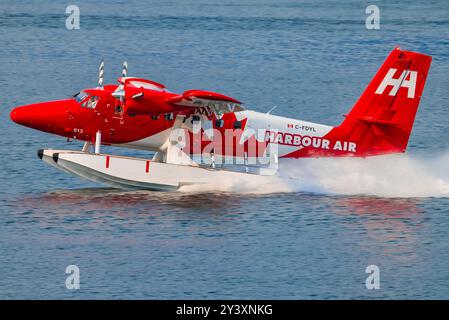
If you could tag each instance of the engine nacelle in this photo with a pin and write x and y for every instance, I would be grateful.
(139, 101)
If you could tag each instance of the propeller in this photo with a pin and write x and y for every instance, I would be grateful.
(122, 86)
(101, 77)
(125, 69)
(101, 74)
(119, 93)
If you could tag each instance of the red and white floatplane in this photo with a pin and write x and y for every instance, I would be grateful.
(202, 137)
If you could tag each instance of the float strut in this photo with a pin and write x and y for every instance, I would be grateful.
(86, 146)
(98, 142)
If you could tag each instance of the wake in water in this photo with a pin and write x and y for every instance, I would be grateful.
(383, 176)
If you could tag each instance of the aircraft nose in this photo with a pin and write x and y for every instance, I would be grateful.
(31, 116)
(42, 116)
(18, 115)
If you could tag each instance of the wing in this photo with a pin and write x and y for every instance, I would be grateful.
(144, 96)
(217, 102)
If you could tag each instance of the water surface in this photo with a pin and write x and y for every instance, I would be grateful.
(310, 58)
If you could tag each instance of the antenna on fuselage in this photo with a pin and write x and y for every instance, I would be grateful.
(101, 74)
(269, 111)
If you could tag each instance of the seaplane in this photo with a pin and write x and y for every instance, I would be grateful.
(203, 137)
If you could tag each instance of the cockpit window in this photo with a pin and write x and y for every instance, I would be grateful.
(80, 96)
(90, 103)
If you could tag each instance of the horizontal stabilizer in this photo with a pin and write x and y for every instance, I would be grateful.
(371, 120)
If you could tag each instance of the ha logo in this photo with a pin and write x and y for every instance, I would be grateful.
(402, 81)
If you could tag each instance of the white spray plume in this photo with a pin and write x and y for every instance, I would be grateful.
(383, 176)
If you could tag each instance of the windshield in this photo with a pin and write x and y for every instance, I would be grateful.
(90, 103)
(80, 96)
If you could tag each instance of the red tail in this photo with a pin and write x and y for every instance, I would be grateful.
(382, 119)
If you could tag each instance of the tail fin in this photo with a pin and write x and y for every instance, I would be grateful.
(382, 119)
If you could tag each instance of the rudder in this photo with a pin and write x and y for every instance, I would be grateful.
(381, 121)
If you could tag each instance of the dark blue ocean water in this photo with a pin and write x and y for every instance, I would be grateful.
(310, 58)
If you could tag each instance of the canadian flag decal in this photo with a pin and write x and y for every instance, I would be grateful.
(407, 79)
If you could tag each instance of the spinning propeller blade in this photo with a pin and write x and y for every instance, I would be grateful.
(101, 74)
(122, 86)
(125, 69)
